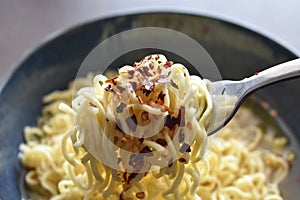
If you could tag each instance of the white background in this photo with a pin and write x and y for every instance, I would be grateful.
(26, 23)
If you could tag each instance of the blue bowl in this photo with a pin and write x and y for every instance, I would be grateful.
(237, 51)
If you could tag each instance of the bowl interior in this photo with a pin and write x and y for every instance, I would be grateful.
(237, 51)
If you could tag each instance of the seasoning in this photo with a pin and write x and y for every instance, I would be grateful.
(127, 186)
(181, 116)
(185, 148)
(146, 150)
(174, 84)
(133, 85)
(140, 99)
(146, 92)
(108, 88)
(181, 137)
(161, 96)
(112, 80)
(131, 176)
(145, 116)
(171, 121)
(121, 89)
(162, 142)
(92, 104)
(189, 125)
(182, 160)
(170, 163)
(132, 122)
(131, 72)
(140, 195)
(118, 125)
(151, 66)
(120, 108)
(168, 64)
(141, 140)
(116, 140)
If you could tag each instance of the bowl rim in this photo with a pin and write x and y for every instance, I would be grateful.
(138, 11)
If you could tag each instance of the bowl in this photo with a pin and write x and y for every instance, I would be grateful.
(237, 51)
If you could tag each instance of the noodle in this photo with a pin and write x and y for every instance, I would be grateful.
(246, 163)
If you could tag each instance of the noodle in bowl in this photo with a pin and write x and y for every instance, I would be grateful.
(62, 152)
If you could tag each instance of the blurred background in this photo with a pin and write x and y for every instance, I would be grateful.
(24, 24)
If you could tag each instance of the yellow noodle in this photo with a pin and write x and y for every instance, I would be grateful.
(237, 167)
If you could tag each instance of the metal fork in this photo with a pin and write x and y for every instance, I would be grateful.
(228, 95)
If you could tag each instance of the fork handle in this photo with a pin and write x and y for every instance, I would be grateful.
(273, 74)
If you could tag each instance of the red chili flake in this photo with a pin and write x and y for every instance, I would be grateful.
(265, 105)
(108, 88)
(124, 139)
(141, 140)
(121, 89)
(121, 196)
(146, 71)
(182, 160)
(181, 116)
(162, 142)
(140, 99)
(174, 84)
(181, 137)
(180, 120)
(127, 186)
(131, 72)
(134, 85)
(151, 66)
(146, 92)
(125, 176)
(132, 122)
(140, 195)
(273, 112)
(116, 139)
(119, 160)
(168, 64)
(120, 108)
(256, 73)
(170, 163)
(131, 176)
(118, 126)
(158, 68)
(146, 150)
(185, 148)
(170, 122)
(92, 104)
(161, 96)
(112, 79)
(137, 161)
(189, 125)
(145, 116)
(141, 71)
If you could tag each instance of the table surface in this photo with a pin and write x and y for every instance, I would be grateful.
(24, 24)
